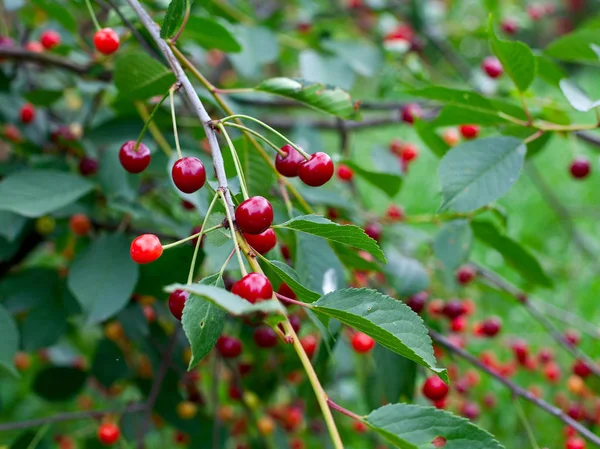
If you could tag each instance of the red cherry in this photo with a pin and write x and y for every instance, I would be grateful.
(545, 355)
(285, 290)
(88, 166)
(317, 170)
(396, 146)
(580, 168)
(576, 411)
(470, 410)
(395, 213)
(572, 337)
(132, 160)
(254, 215)
(575, 443)
(491, 326)
(345, 173)
(49, 39)
(265, 337)
(309, 344)
(552, 372)
(188, 174)
(409, 152)
(145, 249)
(465, 275)
(359, 427)
(453, 309)
(417, 301)
(469, 131)
(373, 230)
(411, 111)
(177, 301)
(509, 26)
(581, 369)
(288, 166)
(254, 287)
(106, 41)
(536, 11)
(263, 242)
(435, 389)
(458, 324)
(362, 343)
(27, 113)
(187, 205)
(492, 66)
(80, 224)
(521, 351)
(108, 433)
(34, 47)
(229, 347)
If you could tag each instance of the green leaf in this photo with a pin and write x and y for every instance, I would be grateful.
(173, 18)
(43, 97)
(29, 288)
(58, 12)
(383, 388)
(521, 132)
(388, 183)
(260, 177)
(9, 343)
(549, 71)
(319, 268)
(453, 115)
(44, 326)
(109, 364)
(288, 275)
(260, 47)
(11, 225)
(389, 321)
(34, 193)
(514, 254)
(326, 69)
(138, 76)
(476, 173)
(103, 277)
(516, 57)
(319, 96)
(364, 57)
(427, 134)
(411, 426)
(346, 234)
(406, 275)
(577, 97)
(575, 47)
(210, 34)
(452, 244)
(203, 322)
(59, 383)
(170, 268)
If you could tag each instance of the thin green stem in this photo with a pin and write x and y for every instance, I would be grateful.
(188, 7)
(222, 270)
(242, 90)
(264, 125)
(199, 241)
(257, 134)
(174, 118)
(233, 236)
(236, 162)
(191, 237)
(525, 423)
(156, 134)
(149, 120)
(38, 437)
(93, 15)
(286, 199)
(526, 109)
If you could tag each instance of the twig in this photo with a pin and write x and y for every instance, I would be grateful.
(289, 123)
(364, 106)
(588, 137)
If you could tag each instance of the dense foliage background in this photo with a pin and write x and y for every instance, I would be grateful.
(489, 232)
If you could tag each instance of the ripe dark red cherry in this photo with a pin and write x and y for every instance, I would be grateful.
(229, 347)
(263, 242)
(453, 309)
(49, 39)
(575, 443)
(373, 230)
(492, 66)
(470, 410)
(288, 166)
(265, 337)
(27, 113)
(254, 287)
(581, 369)
(88, 166)
(177, 301)
(521, 351)
(362, 343)
(145, 249)
(417, 301)
(132, 160)
(410, 112)
(108, 433)
(434, 388)
(580, 168)
(409, 152)
(188, 174)
(106, 41)
(469, 131)
(285, 290)
(254, 215)
(345, 173)
(317, 170)
(491, 326)
(309, 344)
(465, 275)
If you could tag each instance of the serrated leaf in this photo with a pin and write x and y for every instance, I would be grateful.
(452, 244)
(203, 322)
(388, 183)
(210, 34)
(476, 173)
(514, 254)
(575, 47)
(389, 321)
(288, 275)
(411, 426)
(577, 97)
(9, 343)
(34, 193)
(319, 96)
(516, 57)
(346, 234)
(173, 18)
(429, 137)
(138, 76)
(405, 274)
(59, 383)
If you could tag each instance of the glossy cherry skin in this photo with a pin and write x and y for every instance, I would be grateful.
(263, 242)
(575, 443)
(265, 337)
(362, 343)
(453, 309)
(288, 166)
(345, 173)
(106, 41)
(469, 131)
(49, 39)
(492, 66)
(132, 160)
(254, 287)
(491, 326)
(434, 388)
(108, 433)
(317, 170)
(580, 168)
(229, 347)
(255, 215)
(189, 174)
(411, 111)
(309, 344)
(409, 152)
(465, 275)
(177, 301)
(27, 113)
(88, 166)
(145, 249)
(521, 351)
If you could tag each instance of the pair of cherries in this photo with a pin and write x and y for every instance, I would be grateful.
(313, 172)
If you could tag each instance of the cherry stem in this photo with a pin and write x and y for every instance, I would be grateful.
(156, 134)
(93, 15)
(533, 137)
(285, 338)
(200, 235)
(191, 237)
(236, 162)
(222, 270)
(264, 125)
(287, 300)
(188, 7)
(286, 199)
(242, 90)
(149, 120)
(259, 135)
(343, 410)
(174, 118)
(234, 237)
